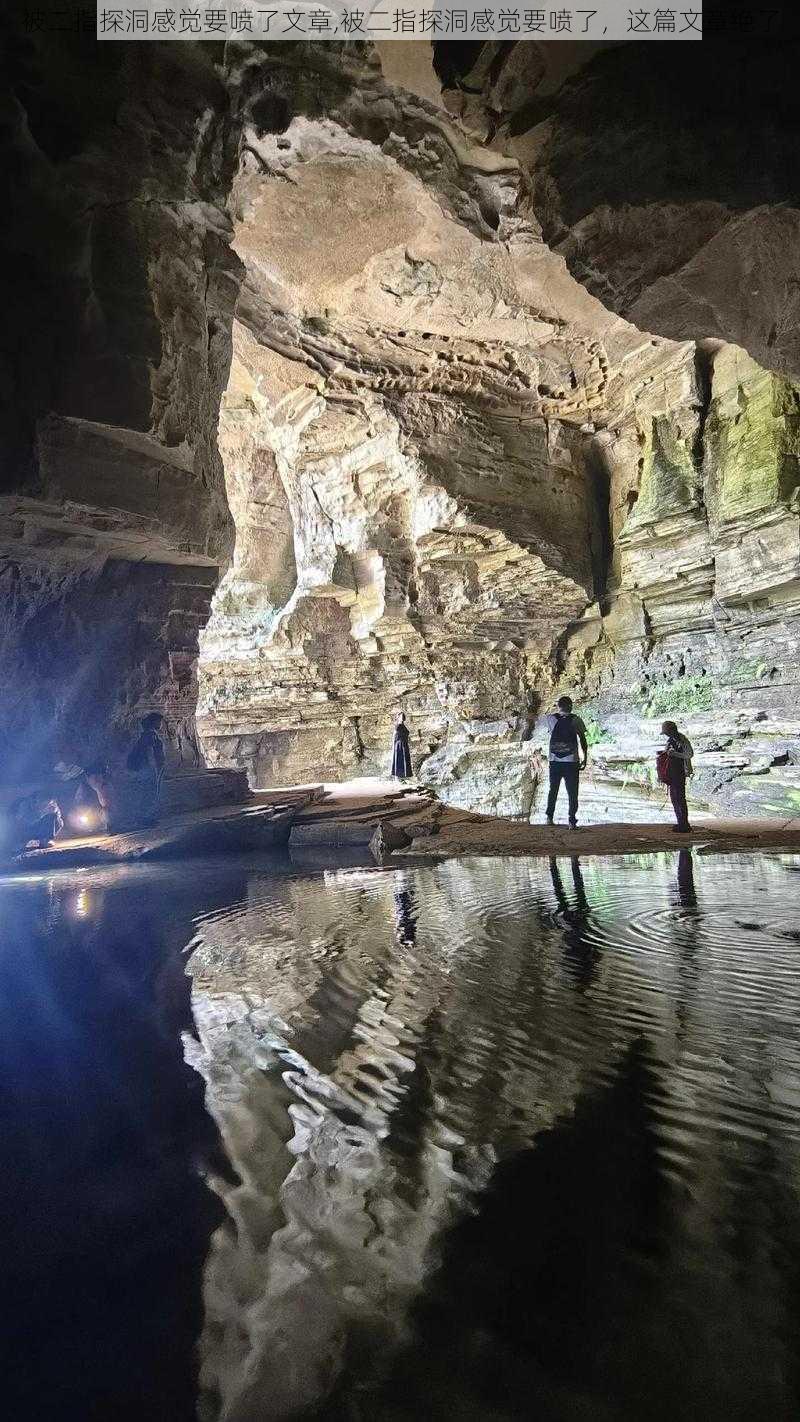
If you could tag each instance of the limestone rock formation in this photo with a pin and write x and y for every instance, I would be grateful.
(704, 614)
(119, 286)
(672, 188)
(438, 364)
(414, 407)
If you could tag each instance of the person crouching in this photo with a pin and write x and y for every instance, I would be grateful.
(37, 820)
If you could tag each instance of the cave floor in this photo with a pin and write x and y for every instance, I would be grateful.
(438, 830)
(395, 822)
(462, 834)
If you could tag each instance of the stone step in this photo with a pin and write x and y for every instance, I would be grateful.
(202, 789)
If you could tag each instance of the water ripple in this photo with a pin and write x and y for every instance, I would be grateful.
(436, 1030)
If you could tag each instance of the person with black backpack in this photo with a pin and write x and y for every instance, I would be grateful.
(567, 735)
(146, 763)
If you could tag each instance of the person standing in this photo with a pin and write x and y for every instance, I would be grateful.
(567, 754)
(401, 750)
(146, 762)
(678, 753)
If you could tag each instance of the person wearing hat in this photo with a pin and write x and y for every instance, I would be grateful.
(677, 768)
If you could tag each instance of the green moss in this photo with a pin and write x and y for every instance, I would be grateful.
(226, 603)
(645, 861)
(769, 797)
(686, 693)
(753, 440)
(748, 669)
(594, 731)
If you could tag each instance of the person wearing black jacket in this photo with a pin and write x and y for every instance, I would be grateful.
(567, 735)
(679, 766)
(146, 764)
(401, 750)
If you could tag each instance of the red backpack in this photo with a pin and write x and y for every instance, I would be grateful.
(662, 766)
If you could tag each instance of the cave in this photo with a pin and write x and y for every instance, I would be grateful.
(354, 380)
(361, 381)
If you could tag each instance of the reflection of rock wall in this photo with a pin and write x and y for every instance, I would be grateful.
(374, 1041)
(314, 1006)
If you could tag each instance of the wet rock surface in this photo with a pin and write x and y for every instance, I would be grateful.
(119, 291)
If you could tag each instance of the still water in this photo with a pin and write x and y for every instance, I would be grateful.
(487, 1139)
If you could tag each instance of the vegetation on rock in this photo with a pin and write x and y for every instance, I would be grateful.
(686, 694)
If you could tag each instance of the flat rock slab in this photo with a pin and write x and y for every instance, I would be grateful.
(238, 829)
(202, 789)
(333, 831)
(422, 827)
(353, 820)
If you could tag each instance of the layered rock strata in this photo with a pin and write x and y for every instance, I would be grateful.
(583, 507)
(120, 286)
(457, 481)
(414, 410)
(671, 188)
(703, 610)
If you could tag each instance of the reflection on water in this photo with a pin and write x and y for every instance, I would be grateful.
(104, 1219)
(498, 1138)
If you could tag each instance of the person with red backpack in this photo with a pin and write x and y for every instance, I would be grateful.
(567, 734)
(673, 766)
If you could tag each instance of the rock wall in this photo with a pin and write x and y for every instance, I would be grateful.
(413, 409)
(671, 187)
(118, 294)
(451, 390)
(702, 616)
(489, 487)
(78, 643)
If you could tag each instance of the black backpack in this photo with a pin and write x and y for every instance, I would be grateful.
(564, 736)
(137, 758)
